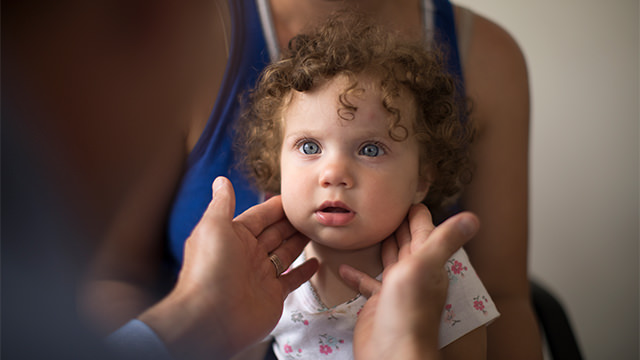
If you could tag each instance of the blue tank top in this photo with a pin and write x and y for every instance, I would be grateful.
(213, 154)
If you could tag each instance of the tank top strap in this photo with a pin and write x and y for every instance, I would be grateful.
(440, 28)
(269, 29)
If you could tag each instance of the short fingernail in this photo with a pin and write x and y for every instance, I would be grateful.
(218, 183)
(468, 226)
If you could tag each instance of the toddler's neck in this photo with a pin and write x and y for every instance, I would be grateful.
(327, 283)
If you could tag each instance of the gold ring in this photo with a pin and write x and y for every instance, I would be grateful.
(277, 263)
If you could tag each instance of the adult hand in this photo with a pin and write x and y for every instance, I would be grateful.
(402, 316)
(228, 294)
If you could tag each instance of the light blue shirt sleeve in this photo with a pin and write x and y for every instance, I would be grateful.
(136, 340)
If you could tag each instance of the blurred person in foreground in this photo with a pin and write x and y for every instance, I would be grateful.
(91, 95)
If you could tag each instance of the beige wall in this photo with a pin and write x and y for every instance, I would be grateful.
(583, 65)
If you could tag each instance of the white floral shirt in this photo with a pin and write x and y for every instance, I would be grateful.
(309, 330)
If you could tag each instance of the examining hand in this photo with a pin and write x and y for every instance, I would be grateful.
(402, 316)
(228, 294)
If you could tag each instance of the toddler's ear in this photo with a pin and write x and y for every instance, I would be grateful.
(422, 191)
(425, 179)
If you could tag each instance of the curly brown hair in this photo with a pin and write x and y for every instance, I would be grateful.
(350, 45)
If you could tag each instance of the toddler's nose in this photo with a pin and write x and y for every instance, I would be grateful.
(336, 172)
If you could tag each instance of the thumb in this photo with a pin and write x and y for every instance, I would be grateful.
(223, 201)
(448, 237)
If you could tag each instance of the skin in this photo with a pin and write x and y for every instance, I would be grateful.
(197, 318)
(497, 82)
(227, 295)
(122, 286)
(339, 174)
(323, 159)
(186, 42)
(415, 252)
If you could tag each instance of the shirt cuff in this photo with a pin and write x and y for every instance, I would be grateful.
(136, 340)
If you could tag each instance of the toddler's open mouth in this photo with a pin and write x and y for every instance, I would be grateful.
(333, 209)
(334, 213)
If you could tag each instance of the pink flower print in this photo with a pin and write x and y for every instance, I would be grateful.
(325, 349)
(450, 316)
(478, 303)
(457, 267)
(290, 352)
(328, 343)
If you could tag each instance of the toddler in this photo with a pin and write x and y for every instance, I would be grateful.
(352, 127)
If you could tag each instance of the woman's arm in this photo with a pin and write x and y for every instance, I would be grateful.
(125, 276)
(189, 44)
(470, 346)
(497, 83)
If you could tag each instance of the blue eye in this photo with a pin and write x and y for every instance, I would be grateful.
(371, 150)
(309, 148)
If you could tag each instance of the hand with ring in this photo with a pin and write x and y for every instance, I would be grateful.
(232, 286)
(277, 263)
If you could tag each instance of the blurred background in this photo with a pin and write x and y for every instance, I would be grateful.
(584, 160)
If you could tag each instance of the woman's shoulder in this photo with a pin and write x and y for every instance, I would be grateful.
(495, 72)
(486, 38)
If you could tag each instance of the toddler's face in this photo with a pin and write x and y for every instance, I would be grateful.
(345, 183)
